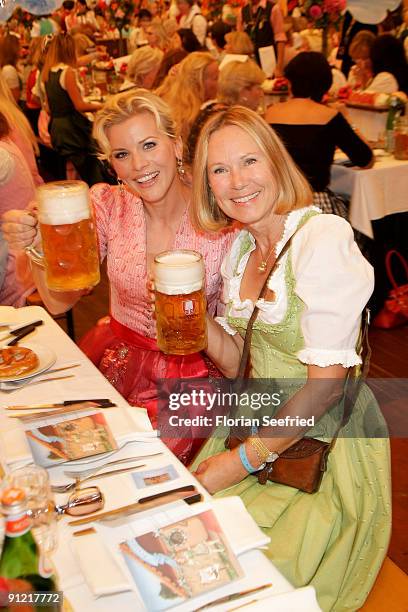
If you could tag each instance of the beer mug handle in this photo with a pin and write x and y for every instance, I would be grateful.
(35, 256)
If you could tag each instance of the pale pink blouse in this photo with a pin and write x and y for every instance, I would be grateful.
(121, 228)
(26, 149)
(17, 190)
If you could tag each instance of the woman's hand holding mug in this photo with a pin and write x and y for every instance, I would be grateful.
(20, 227)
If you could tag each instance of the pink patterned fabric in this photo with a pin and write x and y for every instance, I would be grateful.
(134, 368)
(122, 238)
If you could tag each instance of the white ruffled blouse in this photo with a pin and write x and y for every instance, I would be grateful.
(333, 279)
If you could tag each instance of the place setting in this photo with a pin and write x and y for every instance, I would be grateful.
(23, 361)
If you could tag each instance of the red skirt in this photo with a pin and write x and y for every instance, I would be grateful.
(133, 363)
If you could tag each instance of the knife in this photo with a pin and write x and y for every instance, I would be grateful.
(19, 330)
(189, 494)
(233, 596)
(28, 330)
(98, 403)
(65, 410)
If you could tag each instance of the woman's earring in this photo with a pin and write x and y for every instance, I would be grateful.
(121, 185)
(180, 167)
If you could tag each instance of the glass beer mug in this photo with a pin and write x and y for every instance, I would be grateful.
(401, 138)
(180, 302)
(68, 236)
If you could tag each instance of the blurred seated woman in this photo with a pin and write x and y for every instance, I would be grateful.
(69, 128)
(137, 36)
(194, 83)
(19, 130)
(86, 51)
(307, 334)
(361, 73)
(238, 43)
(17, 190)
(216, 34)
(238, 83)
(142, 68)
(147, 214)
(9, 54)
(311, 131)
(162, 34)
(389, 65)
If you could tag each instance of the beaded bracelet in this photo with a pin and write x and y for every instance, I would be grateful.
(245, 461)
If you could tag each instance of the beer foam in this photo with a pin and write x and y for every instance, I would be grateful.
(63, 202)
(177, 272)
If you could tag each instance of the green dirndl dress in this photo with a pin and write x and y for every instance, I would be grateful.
(335, 539)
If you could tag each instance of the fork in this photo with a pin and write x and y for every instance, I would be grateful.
(109, 454)
(18, 384)
(78, 481)
(94, 470)
(31, 383)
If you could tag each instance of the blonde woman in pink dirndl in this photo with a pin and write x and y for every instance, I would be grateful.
(146, 214)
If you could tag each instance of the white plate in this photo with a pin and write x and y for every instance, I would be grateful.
(46, 357)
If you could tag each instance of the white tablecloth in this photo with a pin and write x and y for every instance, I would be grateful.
(371, 123)
(375, 193)
(89, 383)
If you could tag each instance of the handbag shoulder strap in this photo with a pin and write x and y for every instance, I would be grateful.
(248, 334)
(388, 265)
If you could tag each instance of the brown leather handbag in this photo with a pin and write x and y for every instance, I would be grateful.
(303, 464)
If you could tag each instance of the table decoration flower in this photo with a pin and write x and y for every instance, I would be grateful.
(324, 13)
(119, 14)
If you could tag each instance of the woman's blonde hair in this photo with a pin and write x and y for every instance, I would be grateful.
(293, 190)
(143, 60)
(129, 104)
(239, 43)
(361, 44)
(235, 77)
(61, 50)
(35, 51)
(164, 31)
(14, 116)
(185, 91)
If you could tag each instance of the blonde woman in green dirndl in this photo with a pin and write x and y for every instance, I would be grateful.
(307, 328)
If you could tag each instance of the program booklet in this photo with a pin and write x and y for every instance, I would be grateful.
(60, 440)
(180, 561)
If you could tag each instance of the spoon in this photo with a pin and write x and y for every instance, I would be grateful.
(81, 502)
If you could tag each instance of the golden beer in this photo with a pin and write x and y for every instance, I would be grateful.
(180, 302)
(68, 236)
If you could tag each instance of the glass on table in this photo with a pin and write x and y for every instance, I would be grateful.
(35, 483)
(401, 138)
